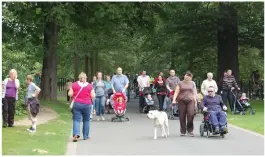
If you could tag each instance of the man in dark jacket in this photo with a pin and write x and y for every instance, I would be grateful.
(229, 83)
(213, 104)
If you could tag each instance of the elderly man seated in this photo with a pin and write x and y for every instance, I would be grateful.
(214, 105)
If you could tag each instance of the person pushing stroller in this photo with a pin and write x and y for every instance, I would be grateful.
(213, 104)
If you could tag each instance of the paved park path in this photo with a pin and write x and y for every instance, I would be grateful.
(136, 138)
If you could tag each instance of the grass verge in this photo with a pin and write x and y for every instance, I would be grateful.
(50, 139)
(250, 122)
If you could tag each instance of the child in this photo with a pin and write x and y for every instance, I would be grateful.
(200, 97)
(244, 100)
(31, 102)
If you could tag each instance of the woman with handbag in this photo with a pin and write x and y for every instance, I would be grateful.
(82, 93)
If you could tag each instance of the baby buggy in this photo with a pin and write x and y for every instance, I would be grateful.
(241, 106)
(173, 108)
(237, 107)
(119, 107)
(148, 102)
(207, 127)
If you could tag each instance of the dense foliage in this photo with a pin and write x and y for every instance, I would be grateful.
(67, 38)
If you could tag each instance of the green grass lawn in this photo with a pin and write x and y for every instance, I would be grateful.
(50, 138)
(250, 122)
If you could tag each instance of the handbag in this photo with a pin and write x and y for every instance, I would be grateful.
(72, 103)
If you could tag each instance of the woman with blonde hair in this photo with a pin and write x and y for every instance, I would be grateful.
(82, 94)
(10, 88)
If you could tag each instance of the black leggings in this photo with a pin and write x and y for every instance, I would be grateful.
(161, 99)
(228, 95)
(8, 110)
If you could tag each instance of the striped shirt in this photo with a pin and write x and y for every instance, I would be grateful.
(229, 82)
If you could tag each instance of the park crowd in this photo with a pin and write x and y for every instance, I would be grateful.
(88, 99)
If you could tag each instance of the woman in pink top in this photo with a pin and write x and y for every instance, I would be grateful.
(82, 93)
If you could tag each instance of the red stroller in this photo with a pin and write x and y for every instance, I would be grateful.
(119, 107)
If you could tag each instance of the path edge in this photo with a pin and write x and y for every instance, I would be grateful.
(71, 146)
(245, 130)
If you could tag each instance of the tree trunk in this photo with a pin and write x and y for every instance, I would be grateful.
(49, 69)
(86, 65)
(92, 67)
(227, 37)
(76, 72)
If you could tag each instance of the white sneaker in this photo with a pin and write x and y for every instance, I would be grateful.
(98, 118)
(102, 118)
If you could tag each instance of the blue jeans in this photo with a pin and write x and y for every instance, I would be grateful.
(81, 111)
(218, 118)
(100, 105)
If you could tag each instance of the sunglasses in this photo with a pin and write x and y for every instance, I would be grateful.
(210, 91)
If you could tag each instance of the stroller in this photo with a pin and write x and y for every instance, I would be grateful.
(148, 102)
(173, 109)
(136, 90)
(207, 127)
(119, 107)
(240, 107)
(109, 105)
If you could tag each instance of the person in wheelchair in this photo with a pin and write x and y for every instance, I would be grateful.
(213, 104)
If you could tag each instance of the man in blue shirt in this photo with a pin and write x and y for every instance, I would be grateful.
(213, 104)
(119, 82)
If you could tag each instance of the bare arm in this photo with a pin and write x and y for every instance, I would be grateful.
(17, 83)
(176, 94)
(92, 94)
(70, 92)
(37, 90)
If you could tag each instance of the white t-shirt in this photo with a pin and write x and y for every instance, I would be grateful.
(143, 81)
(206, 84)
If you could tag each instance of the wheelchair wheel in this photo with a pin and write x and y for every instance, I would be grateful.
(202, 129)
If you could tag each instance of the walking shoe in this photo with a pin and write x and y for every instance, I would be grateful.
(98, 118)
(191, 134)
(75, 138)
(32, 130)
(217, 130)
(11, 125)
(87, 138)
(4, 125)
(102, 118)
(182, 134)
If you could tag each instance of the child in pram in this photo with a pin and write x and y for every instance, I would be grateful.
(244, 100)
(119, 107)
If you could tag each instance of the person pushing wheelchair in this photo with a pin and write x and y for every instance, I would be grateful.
(213, 104)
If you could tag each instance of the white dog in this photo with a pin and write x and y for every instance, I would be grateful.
(160, 121)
